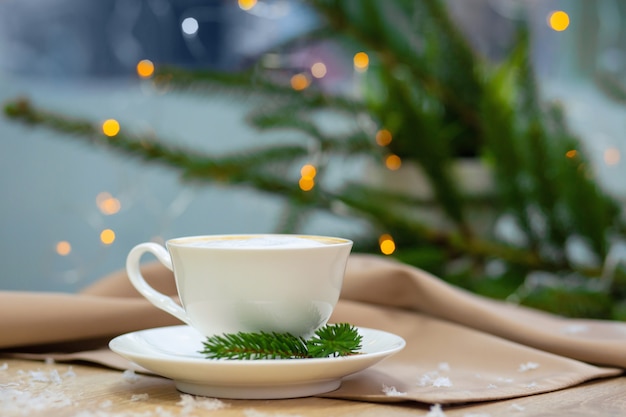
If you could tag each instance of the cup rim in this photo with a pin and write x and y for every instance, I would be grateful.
(333, 241)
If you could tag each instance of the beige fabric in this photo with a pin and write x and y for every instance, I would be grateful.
(460, 347)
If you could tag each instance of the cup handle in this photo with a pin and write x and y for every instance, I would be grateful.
(133, 270)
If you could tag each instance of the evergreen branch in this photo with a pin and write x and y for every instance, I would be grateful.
(260, 345)
(537, 151)
(399, 54)
(388, 217)
(250, 84)
(193, 165)
(282, 117)
(424, 140)
(591, 213)
(502, 142)
(246, 171)
(353, 143)
(329, 341)
(337, 340)
(456, 45)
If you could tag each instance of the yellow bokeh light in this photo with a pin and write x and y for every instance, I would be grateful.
(306, 183)
(107, 204)
(246, 4)
(107, 236)
(110, 206)
(558, 20)
(612, 156)
(111, 127)
(63, 248)
(102, 196)
(318, 70)
(299, 82)
(393, 162)
(145, 68)
(387, 245)
(571, 153)
(308, 171)
(383, 137)
(361, 61)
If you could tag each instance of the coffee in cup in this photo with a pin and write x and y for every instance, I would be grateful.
(248, 283)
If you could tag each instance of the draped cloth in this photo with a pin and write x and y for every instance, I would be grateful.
(460, 347)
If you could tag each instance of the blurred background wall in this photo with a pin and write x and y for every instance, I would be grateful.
(79, 58)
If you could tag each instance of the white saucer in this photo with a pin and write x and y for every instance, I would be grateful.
(172, 352)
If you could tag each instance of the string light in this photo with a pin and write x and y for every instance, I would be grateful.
(107, 236)
(107, 204)
(318, 70)
(308, 171)
(307, 179)
(110, 127)
(190, 26)
(383, 137)
(386, 244)
(299, 82)
(612, 156)
(393, 162)
(145, 68)
(306, 183)
(361, 61)
(558, 20)
(246, 4)
(63, 248)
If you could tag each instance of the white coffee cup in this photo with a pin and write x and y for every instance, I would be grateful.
(248, 283)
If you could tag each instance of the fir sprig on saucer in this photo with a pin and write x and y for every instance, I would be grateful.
(331, 340)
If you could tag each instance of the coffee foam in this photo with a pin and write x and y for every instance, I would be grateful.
(259, 242)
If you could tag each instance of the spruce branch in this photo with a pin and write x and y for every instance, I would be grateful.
(336, 340)
(252, 84)
(389, 217)
(394, 52)
(331, 340)
(260, 345)
(351, 143)
(246, 169)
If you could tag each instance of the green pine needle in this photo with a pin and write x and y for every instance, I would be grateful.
(337, 340)
(329, 341)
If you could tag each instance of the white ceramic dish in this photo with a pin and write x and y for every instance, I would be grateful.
(172, 352)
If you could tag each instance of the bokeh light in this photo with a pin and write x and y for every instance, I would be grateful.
(110, 127)
(308, 171)
(246, 4)
(612, 156)
(189, 26)
(63, 248)
(383, 137)
(107, 236)
(299, 82)
(107, 204)
(386, 244)
(558, 20)
(318, 70)
(306, 183)
(145, 68)
(393, 162)
(361, 61)
(571, 154)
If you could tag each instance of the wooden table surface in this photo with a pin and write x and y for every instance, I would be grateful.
(32, 388)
